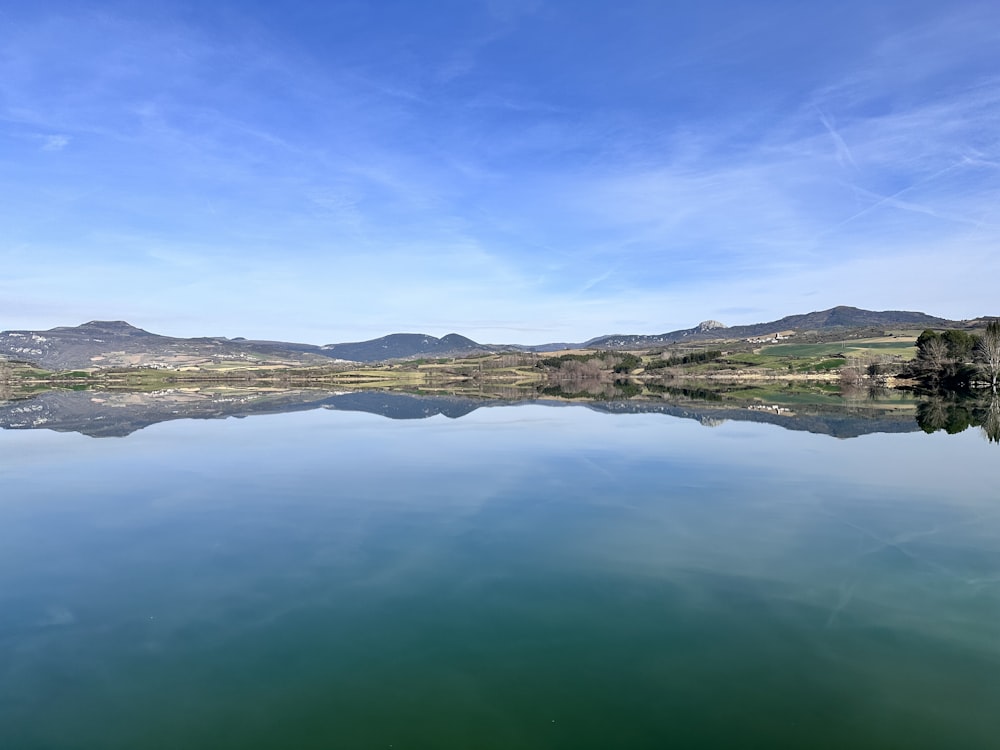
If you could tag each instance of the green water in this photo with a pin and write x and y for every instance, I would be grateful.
(523, 577)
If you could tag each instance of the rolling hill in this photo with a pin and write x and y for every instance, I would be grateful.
(836, 318)
(107, 344)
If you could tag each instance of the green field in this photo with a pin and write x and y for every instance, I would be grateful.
(904, 349)
(765, 359)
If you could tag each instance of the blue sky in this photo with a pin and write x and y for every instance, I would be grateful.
(513, 170)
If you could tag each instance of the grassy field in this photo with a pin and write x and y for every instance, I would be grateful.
(901, 348)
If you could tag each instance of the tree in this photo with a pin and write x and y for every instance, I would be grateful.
(988, 353)
(627, 363)
(933, 352)
(925, 338)
(960, 344)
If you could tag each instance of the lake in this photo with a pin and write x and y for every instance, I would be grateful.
(519, 576)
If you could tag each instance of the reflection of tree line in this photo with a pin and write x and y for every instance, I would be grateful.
(6, 380)
(594, 389)
(950, 411)
(854, 392)
(954, 413)
(943, 410)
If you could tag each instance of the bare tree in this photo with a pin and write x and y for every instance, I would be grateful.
(988, 353)
(853, 373)
(934, 355)
(866, 366)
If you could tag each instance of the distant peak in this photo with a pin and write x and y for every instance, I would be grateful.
(108, 324)
(457, 337)
(710, 325)
(120, 327)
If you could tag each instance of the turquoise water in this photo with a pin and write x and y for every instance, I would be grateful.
(523, 577)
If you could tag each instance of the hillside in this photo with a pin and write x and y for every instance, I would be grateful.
(104, 344)
(824, 320)
(117, 344)
(404, 345)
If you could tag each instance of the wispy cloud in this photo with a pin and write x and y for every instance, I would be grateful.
(54, 142)
(525, 172)
(844, 155)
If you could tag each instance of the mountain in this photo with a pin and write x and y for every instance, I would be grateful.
(403, 346)
(836, 318)
(105, 344)
(115, 343)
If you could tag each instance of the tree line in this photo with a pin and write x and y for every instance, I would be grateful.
(675, 360)
(591, 364)
(958, 360)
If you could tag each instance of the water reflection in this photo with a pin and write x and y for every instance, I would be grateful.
(119, 413)
(954, 413)
(529, 577)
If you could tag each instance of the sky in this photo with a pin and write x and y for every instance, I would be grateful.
(517, 171)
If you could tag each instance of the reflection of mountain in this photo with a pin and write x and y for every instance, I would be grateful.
(396, 405)
(838, 422)
(104, 414)
(117, 414)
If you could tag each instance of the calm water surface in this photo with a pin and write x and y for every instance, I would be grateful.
(523, 577)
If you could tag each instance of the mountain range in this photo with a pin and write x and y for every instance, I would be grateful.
(105, 344)
(836, 318)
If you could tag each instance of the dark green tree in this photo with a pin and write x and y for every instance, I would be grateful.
(960, 344)
(627, 363)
